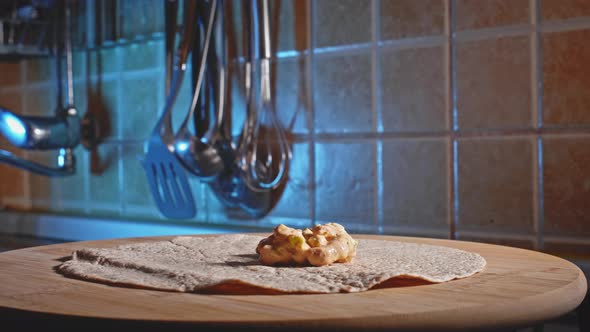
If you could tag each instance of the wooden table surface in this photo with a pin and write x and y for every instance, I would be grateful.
(517, 288)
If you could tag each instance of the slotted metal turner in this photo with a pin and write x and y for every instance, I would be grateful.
(166, 177)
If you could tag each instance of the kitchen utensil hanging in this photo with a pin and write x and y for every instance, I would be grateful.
(261, 169)
(198, 154)
(165, 173)
(236, 186)
(163, 165)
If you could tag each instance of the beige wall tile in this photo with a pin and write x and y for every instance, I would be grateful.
(566, 78)
(10, 73)
(12, 182)
(413, 89)
(411, 18)
(563, 9)
(342, 22)
(415, 186)
(45, 191)
(143, 55)
(495, 188)
(41, 100)
(294, 198)
(345, 176)
(106, 60)
(81, 98)
(342, 93)
(105, 193)
(289, 21)
(5, 145)
(507, 241)
(12, 100)
(103, 102)
(291, 95)
(570, 250)
(477, 14)
(140, 109)
(40, 70)
(494, 83)
(134, 176)
(566, 182)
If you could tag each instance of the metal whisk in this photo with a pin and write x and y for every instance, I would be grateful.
(264, 173)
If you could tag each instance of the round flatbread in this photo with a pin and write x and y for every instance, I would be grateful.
(228, 263)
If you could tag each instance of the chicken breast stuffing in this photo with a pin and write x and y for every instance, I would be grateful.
(321, 245)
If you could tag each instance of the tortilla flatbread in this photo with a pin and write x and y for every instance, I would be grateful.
(227, 263)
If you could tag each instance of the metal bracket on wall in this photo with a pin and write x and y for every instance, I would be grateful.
(60, 132)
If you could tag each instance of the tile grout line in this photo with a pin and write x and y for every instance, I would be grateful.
(537, 93)
(110, 76)
(453, 123)
(426, 41)
(377, 113)
(160, 69)
(571, 24)
(415, 42)
(87, 153)
(120, 173)
(497, 235)
(467, 134)
(540, 195)
(494, 32)
(548, 26)
(24, 108)
(417, 231)
(311, 105)
(580, 239)
(434, 40)
(533, 42)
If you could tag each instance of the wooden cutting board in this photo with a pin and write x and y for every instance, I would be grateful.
(517, 288)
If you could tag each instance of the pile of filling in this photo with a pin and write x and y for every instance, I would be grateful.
(321, 245)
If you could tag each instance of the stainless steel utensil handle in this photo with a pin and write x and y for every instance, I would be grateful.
(214, 87)
(266, 51)
(204, 52)
(164, 127)
(221, 67)
(171, 12)
(209, 121)
(69, 65)
(70, 111)
(249, 73)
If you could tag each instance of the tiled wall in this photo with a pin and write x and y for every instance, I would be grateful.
(467, 119)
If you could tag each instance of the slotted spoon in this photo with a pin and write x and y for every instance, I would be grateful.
(166, 177)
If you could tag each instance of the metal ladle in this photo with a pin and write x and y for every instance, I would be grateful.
(198, 154)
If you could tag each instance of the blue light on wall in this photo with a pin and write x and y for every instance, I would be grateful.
(12, 128)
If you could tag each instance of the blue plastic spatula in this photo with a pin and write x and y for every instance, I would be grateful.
(168, 181)
(166, 177)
